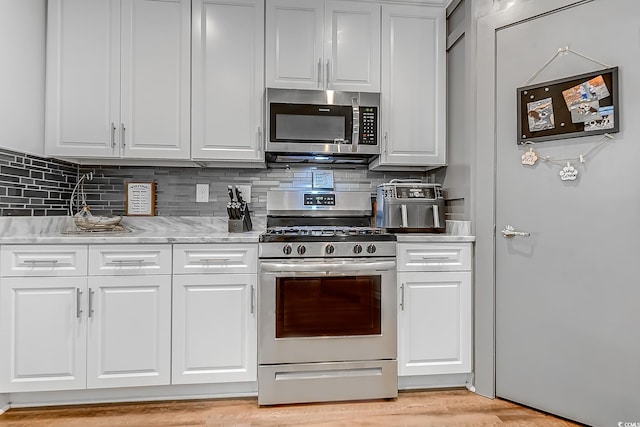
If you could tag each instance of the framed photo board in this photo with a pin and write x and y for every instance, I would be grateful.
(141, 198)
(581, 105)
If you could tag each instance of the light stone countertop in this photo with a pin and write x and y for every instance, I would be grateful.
(61, 230)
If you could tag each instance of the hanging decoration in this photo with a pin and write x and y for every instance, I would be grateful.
(580, 105)
(568, 171)
(529, 158)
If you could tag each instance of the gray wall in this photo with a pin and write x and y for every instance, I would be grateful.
(460, 147)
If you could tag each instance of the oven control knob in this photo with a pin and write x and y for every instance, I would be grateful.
(371, 248)
(357, 249)
(301, 250)
(329, 249)
(287, 249)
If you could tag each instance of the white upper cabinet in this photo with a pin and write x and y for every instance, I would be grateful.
(118, 79)
(228, 80)
(332, 45)
(413, 120)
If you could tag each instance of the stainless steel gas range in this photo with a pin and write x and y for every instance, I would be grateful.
(327, 300)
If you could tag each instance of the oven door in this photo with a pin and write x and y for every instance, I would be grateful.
(327, 310)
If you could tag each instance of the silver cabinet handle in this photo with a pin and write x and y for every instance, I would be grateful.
(113, 134)
(126, 261)
(320, 72)
(328, 80)
(90, 308)
(40, 261)
(437, 258)
(402, 297)
(78, 302)
(124, 130)
(510, 232)
(253, 291)
(216, 260)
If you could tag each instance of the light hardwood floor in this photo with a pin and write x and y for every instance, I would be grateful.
(418, 408)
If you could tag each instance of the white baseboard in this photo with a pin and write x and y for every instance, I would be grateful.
(433, 381)
(132, 394)
(187, 392)
(4, 403)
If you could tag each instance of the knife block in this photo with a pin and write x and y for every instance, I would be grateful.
(240, 225)
(237, 225)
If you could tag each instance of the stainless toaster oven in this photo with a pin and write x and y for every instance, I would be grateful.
(410, 207)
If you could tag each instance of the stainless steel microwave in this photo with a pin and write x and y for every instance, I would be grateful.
(314, 123)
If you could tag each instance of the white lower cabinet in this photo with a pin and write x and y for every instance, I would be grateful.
(434, 313)
(129, 331)
(43, 333)
(106, 324)
(214, 313)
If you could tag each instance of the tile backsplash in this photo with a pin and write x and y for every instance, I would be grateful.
(36, 186)
(176, 187)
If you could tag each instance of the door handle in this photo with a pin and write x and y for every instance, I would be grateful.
(90, 308)
(510, 232)
(78, 302)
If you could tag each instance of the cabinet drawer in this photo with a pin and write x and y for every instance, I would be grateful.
(129, 259)
(223, 258)
(434, 257)
(42, 260)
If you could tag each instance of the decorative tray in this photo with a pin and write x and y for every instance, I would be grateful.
(98, 223)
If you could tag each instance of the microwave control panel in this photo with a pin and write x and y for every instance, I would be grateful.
(368, 125)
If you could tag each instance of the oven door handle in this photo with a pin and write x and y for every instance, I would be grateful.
(327, 267)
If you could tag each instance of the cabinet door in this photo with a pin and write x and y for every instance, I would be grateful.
(228, 80)
(294, 43)
(434, 323)
(83, 78)
(44, 330)
(413, 86)
(214, 328)
(352, 50)
(129, 332)
(156, 54)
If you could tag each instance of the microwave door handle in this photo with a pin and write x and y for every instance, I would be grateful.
(356, 125)
(436, 216)
(405, 218)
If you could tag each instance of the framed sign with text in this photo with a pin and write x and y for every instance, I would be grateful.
(141, 198)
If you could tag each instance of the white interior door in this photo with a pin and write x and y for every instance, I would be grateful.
(567, 296)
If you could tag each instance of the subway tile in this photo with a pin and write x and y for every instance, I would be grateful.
(14, 171)
(16, 212)
(35, 193)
